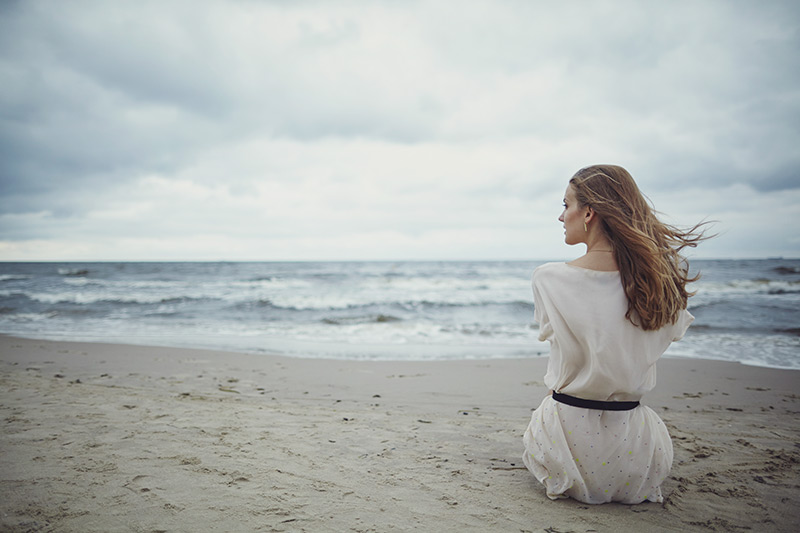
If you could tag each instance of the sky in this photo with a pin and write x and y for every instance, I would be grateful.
(388, 130)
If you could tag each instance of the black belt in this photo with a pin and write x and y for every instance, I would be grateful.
(594, 404)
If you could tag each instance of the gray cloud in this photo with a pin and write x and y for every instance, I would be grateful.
(386, 101)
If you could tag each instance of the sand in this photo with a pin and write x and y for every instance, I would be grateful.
(100, 437)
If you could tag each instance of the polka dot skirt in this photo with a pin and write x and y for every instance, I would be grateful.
(598, 456)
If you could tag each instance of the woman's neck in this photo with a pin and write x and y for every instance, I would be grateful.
(599, 256)
(599, 244)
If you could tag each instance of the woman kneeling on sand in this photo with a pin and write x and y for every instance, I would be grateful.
(609, 316)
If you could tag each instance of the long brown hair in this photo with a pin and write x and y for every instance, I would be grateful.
(654, 274)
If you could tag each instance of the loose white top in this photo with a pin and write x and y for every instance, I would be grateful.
(595, 352)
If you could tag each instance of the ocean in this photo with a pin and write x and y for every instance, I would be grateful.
(746, 310)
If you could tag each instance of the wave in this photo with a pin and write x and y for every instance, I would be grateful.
(376, 319)
(30, 317)
(12, 277)
(738, 329)
(302, 292)
(291, 295)
(279, 302)
(749, 286)
(227, 290)
(81, 298)
(770, 350)
(413, 306)
(73, 271)
(341, 301)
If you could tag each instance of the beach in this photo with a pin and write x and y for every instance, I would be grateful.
(104, 437)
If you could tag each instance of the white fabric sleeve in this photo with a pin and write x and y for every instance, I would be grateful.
(685, 318)
(540, 313)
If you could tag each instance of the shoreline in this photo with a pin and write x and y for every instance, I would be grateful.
(330, 349)
(100, 437)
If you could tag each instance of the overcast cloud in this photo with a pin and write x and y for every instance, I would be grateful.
(270, 130)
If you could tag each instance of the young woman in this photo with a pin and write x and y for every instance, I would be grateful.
(608, 315)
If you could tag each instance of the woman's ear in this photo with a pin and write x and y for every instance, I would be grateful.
(589, 215)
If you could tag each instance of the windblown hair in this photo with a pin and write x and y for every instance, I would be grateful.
(653, 272)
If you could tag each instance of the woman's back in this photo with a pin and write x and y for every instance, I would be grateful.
(596, 353)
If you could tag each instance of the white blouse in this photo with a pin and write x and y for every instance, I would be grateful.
(596, 353)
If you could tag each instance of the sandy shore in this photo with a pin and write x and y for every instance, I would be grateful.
(100, 437)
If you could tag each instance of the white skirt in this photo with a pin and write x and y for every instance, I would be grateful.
(598, 456)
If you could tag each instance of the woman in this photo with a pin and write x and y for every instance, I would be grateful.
(608, 315)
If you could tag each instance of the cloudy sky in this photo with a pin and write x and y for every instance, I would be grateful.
(279, 130)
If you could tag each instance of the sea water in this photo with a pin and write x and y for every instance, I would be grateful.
(746, 310)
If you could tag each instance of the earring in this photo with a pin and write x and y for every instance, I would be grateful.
(585, 227)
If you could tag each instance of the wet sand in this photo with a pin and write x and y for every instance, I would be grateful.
(100, 437)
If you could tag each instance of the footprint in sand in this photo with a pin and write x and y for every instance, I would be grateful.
(138, 484)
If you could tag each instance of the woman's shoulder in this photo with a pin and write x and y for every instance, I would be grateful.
(547, 271)
(570, 274)
(544, 269)
(549, 266)
(573, 267)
